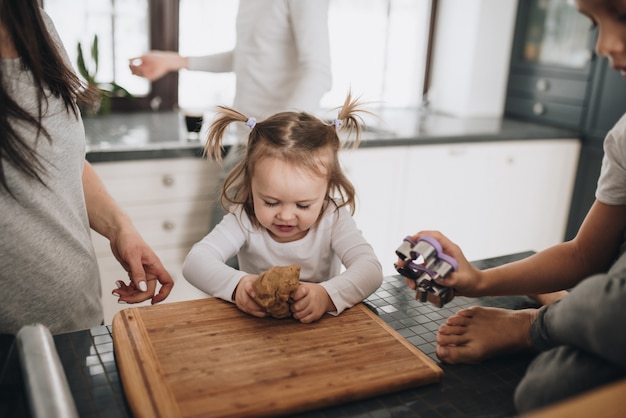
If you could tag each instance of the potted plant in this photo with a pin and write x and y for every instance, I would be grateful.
(89, 73)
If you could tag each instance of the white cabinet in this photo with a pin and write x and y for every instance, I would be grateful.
(491, 198)
(379, 177)
(169, 201)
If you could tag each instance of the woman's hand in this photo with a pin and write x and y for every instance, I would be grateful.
(144, 269)
(155, 64)
(310, 302)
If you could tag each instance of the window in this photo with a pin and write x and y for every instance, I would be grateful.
(125, 28)
(378, 49)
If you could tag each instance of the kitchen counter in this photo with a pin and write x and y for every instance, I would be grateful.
(484, 389)
(148, 135)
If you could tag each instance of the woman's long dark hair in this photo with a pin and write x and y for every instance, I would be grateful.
(24, 25)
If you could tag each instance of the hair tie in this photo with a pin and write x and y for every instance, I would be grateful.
(337, 123)
(251, 123)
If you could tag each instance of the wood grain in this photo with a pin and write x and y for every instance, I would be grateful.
(207, 358)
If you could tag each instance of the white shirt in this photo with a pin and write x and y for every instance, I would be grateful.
(612, 182)
(333, 241)
(281, 58)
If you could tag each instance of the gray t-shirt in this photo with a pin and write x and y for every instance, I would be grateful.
(48, 268)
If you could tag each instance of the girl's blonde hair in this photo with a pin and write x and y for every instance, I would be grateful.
(297, 138)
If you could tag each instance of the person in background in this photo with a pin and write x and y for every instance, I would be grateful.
(50, 195)
(281, 61)
(289, 200)
(580, 336)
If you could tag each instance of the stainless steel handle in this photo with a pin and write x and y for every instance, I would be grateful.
(47, 389)
(542, 84)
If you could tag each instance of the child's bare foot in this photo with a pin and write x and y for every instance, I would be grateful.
(547, 298)
(478, 333)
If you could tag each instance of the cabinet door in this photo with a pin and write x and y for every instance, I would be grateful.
(378, 174)
(176, 224)
(493, 198)
(450, 189)
(550, 63)
(531, 195)
(607, 101)
(589, 166)
(149, 181)
(170, 203)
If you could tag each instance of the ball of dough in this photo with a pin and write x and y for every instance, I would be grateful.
(273, 288)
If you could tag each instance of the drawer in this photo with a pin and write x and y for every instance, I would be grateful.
(159, 180)
(165, 225)
(547, 88)
(558, 114)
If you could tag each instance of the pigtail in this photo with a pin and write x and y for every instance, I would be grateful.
(350, 118)
(225, 116)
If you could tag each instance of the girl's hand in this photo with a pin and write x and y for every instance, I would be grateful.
(467, 280)
(243, 297)
(310, 302)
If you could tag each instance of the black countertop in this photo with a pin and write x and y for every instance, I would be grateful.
(153, 135)
(476, 390)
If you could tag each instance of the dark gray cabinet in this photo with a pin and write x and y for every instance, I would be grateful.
(606, 103)
(551, 63)
(555, 78)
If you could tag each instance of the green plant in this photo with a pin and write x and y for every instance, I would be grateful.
(89, 73)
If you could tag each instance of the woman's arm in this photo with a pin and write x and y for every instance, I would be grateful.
(108, 219)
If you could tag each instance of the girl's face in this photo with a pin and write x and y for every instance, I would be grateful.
(610, 18)
(287, 200)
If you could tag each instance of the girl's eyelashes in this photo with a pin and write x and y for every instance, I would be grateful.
(274, 204)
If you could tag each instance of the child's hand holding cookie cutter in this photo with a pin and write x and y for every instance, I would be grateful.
(436, 264)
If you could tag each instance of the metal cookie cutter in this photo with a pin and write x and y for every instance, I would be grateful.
(436, 264)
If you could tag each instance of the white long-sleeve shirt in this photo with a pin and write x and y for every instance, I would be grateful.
(333, 241)
(281, 59)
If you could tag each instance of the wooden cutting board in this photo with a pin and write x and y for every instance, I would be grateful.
(206, 358)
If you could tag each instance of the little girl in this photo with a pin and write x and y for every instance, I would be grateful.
(288, 204)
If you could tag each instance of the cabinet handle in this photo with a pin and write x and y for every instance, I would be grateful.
(168, 180)
(542, 85)
(539, 109)
(168, 225)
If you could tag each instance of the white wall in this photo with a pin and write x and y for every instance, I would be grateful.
(471, 57)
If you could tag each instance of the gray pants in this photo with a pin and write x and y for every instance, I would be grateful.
(582, 340)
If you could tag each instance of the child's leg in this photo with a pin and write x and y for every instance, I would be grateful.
(590, 318)
(560, 373)
(583, 339)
